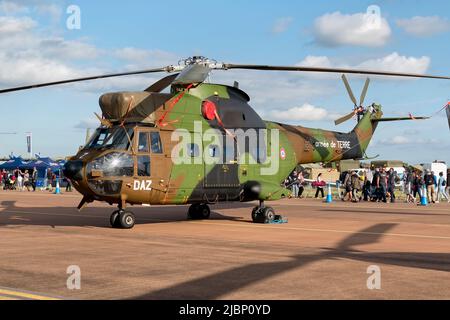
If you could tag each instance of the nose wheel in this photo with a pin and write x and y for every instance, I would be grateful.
(122, 219)
(199, 211)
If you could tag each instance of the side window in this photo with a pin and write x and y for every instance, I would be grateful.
(193, 150)
(143, 142)
(155, 141)
(214, 151)
(143, 166)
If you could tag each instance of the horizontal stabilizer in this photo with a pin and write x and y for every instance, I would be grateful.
(400, 119)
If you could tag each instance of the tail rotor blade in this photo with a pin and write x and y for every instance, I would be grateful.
(364, 92)
(349, 90)
(344, 118)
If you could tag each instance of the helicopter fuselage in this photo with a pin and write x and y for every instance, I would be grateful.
(202, 144)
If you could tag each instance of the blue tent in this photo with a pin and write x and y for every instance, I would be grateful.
(14, 163)
(42, 164)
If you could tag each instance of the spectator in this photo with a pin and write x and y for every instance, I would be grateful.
(367, 184)
(391, 177)
(34, 177)
(430, 183)
(382, 186)
(348, 186)
(442, 188)
(69, 185)
(320, 184)
(294, 184)
(19, 179)
(356, 186)
(301, 182)
(26, 180)
(409, 180)
(49, 179)
(374, 187)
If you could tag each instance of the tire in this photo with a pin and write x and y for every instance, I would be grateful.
(193, 211)
(114, 219)
(199, 212)
(269, 214)
(127, 220)
(204, 212)
(256, 215)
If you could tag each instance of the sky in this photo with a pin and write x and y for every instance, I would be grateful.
(37, 44)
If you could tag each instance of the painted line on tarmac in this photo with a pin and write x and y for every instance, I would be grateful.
(78, 215)
(418, 208)
(251, 226)
(12, 294)
(38, 194)
(328, 230)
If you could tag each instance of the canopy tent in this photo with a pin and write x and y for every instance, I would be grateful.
(42, 164)
(14, 163)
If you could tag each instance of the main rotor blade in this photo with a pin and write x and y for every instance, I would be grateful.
(331, 70)
(364, 92)
(160, 85)
(349, 90)
(112, 75)
(194, 73)
(344, 118)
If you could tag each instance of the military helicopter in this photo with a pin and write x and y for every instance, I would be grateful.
(202, 143)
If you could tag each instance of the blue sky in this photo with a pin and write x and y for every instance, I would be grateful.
(35, 46)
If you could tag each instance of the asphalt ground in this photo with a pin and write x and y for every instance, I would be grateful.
(323, 252)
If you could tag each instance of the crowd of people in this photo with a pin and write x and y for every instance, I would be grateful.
(377, 185)
(26, 180)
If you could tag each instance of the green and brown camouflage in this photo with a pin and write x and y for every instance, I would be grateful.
(190, 146)
(199, 182)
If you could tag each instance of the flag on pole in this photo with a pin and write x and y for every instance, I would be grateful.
(29, 143)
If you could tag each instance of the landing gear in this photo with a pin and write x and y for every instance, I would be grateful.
(122, 219)
(263, 214)
(199, 211)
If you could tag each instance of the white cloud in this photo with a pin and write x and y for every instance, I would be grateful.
(282, 25)
(316, 61)
(9, 7)
(424, 26)
(32, 69)
(306, 112)
(360, 29)
(414, 141)
(393, 62)
(68, 49)
(397, 63)
(144, 57)
(10, 25)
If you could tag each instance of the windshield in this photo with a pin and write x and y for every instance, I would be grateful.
(111, 138)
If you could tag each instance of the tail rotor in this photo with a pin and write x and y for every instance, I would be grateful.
(358, 108)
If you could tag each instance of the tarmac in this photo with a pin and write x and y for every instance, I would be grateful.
(324, 251)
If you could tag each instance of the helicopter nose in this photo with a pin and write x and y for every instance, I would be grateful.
(73, 170)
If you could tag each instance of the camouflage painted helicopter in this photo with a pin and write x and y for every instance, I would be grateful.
(202, 143)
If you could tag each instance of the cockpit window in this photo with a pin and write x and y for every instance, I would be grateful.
(111, 138)
(156, 142)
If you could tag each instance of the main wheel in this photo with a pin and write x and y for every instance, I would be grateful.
(114, 219)
(193, 211)
(204, 212)
(269, 214)
(199, 212)
(257, 217)
(127, 220)
(263, 215)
